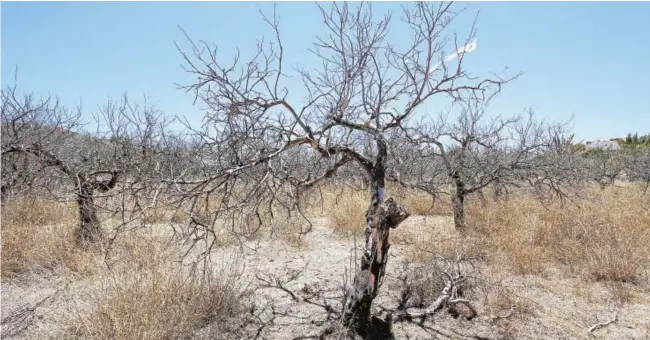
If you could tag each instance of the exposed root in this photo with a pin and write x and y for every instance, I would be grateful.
(592, 329)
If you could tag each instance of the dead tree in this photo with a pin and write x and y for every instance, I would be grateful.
(46, 133)
(477, 152)
(606, 166)
(366, 89)
(638, 166)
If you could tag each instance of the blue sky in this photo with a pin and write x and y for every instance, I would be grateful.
(589, 59)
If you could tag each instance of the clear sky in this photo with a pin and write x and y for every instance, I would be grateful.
(589, 59)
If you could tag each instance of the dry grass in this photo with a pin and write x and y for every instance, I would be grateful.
(139, 290)
(346, 209)
(174, 213)
(158, 215)
(158, 307)
(148, 295)
(604, 236)
(424, 282)
(39, 235)
(345, 206)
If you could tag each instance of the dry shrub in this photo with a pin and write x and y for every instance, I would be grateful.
(423, 282)
(148, 295)
(604, 236)
(39, 234)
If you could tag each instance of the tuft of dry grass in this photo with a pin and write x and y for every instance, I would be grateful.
(39, 234)
(35, 211)
(290, 229)
(155, 307)
(346, 209)
(499, 301)
(149, 295)
(424, 283)
(157, 215)
(603, 236)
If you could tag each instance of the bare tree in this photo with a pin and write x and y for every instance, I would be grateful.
(475, 151)
(606, 165)
(48, 134)
(366, 89)
(638, 166)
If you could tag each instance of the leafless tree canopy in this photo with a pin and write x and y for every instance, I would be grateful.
(365, 89)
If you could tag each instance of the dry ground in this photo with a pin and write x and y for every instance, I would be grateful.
(536, 273)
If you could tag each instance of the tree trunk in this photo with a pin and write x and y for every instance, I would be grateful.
(360, 295)
(89, 229)
(496, 191)
(458, 202)
(377, 183)
(380, 218)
